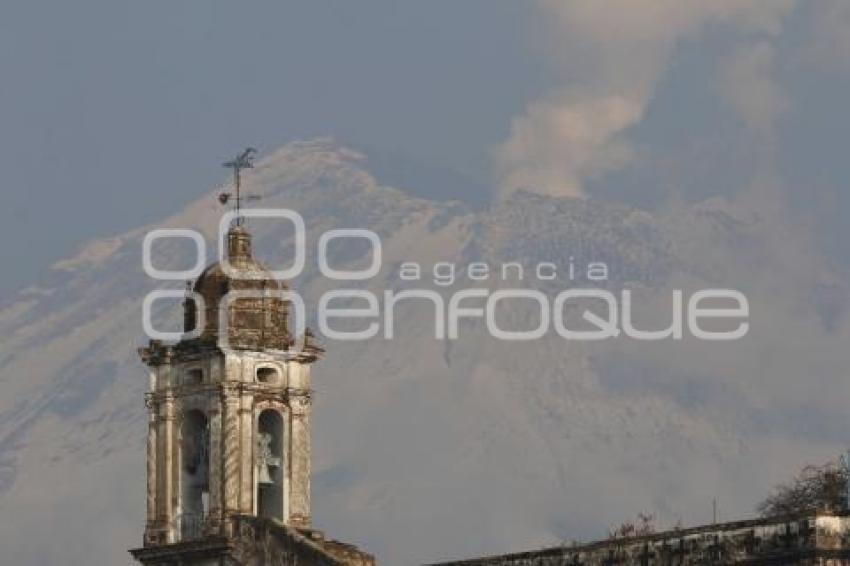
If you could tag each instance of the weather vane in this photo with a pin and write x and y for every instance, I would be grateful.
(244, 161)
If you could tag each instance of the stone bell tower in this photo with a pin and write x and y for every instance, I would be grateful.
(228, 418)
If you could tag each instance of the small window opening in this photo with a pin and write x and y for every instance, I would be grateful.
(267, 375)
(194, 377)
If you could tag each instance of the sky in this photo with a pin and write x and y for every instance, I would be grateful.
(116, 114)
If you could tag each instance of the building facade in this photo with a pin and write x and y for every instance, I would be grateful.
(228, 448)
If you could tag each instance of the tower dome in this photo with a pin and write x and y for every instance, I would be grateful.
(256, 321)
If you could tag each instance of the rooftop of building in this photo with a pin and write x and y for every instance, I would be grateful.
(761, 541)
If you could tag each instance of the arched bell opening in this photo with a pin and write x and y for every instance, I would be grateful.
(194, 473)
(269, 465)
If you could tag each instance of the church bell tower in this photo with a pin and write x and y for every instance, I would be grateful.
(228, 411)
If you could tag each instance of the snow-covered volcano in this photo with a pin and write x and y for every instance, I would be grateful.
(429, 449)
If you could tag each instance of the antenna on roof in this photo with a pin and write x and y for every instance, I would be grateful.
(243, 161)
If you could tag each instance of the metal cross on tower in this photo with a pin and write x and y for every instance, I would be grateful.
(244, 161)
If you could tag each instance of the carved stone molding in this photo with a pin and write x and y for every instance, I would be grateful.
(300, 400)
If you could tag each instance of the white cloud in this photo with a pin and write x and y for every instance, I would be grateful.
(563, 139)
(611, 56)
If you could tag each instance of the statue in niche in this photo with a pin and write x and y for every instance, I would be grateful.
(265, 459)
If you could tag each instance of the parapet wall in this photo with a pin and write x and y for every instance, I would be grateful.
(807, 539)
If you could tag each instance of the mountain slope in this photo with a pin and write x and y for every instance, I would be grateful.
(427, 449)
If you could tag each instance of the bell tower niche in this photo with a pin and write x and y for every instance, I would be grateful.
(228, 410)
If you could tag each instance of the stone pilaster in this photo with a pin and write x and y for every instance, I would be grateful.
(216, 492)
(231, 453)
(246, 441)
(151, 461)
(299, 486)
(166, 479)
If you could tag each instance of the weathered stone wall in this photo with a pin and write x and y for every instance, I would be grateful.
(264, 543)
(257, 542)
(788, 540)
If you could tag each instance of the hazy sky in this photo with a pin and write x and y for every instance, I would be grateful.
(114, 114)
